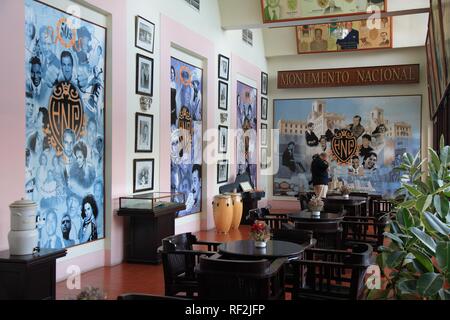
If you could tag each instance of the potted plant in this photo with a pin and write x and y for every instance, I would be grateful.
(345, 191)
(416, 263)
(260, 232)
(315, 205)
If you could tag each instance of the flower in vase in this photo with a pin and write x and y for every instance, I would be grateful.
(315, 204)
(260, 231)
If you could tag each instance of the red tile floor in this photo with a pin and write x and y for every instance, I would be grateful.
(137, 278)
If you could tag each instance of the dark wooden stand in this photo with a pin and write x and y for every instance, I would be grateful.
(30, 277)
(250, 201)
(144, 230)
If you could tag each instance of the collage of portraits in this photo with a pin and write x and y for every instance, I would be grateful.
(64, 89)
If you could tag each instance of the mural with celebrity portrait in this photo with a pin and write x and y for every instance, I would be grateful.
(64, 152)
(246, 130)
(364, 137)
(186, 134)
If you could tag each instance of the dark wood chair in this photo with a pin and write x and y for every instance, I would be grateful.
(331, 274)
(221, 279)
(327, 234)
(380, 207)
(296, 236)
(368, 230)
(142, 296)
(179, 259)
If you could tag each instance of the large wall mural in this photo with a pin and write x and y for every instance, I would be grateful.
(365, 138)
(186, 130)
(65, 112)
(246, 130)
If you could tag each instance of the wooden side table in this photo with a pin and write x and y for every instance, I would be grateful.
(30, 277)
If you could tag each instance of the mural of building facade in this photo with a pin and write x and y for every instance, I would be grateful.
(382, 129)
(65, 112)
(186, 134)
(247, 130)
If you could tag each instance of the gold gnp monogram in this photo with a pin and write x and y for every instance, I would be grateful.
(343, 146)
(65, 112)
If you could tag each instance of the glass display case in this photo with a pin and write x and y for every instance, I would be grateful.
(151, 201)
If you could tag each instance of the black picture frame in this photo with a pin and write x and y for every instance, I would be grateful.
(136, 163)
(222, 58)
(264, 107)
(222, 163)
(264, 134)
(139, 58)
(221, 85)
(137, 41)
(220, 137)
(264, 83)
(264, 159)
(138, 143)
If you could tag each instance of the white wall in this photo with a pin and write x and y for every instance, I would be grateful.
(207, 23)
(352, 59)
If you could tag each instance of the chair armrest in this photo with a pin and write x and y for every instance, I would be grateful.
(319, 263)
(276, 265)
(212, 245)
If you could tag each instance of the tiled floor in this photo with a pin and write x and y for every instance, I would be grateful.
(137, 278)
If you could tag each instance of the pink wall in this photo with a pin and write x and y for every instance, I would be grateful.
(174, 33)
(12, 122)
(12, 102)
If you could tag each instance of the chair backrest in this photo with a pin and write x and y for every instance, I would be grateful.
(327, 234)
(293, 235)
(257, 214)
(368, 230)
(176, 264)
(331, 274)
(239, 279)
(381, 207)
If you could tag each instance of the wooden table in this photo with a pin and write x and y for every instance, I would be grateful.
(307, 216)
(29, 277)
(245, 249)
(351, 202)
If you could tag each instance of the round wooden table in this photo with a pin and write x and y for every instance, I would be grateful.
(351, 202)
(307, 216)
(274, 249)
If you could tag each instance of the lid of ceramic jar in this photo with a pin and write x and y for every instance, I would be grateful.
(23, 204)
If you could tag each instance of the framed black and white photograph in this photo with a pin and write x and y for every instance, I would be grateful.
(143, 173)
(144, 133)
(264, 83)
(223, 95)
(263, 158)
(263, 134)
(264, 103)
(222, 171)
(224, 67)
(145, 34)
(223, 139)
(144, 75)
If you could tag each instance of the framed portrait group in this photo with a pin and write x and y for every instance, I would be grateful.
(224, 76)
(438, 53)
(264, 107)
(143, 169)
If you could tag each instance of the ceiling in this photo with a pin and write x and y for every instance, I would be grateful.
(409, 24)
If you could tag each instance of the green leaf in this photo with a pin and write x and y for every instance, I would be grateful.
(378, 294)
(423, 260)
(443, 256)
(412, 190)
(423, 203)
(441, 205)
(407, 286)
(436, 224)
(429, 284)
(435, 159)
(424, 238)
(404, 217)
(407, 204)
(395, 259)
(445, 155)
(444, 294)
(393, 237)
